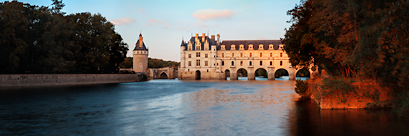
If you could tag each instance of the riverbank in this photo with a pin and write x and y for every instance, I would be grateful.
(332, 93)
(28, 80)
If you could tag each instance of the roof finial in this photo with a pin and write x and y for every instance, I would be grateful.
(140, 33)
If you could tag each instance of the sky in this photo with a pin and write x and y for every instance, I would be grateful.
(164, 23)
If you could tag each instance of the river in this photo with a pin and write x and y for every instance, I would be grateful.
(175, 107)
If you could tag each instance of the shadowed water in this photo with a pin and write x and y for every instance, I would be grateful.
(174, 107)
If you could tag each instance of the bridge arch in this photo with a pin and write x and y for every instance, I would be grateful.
(226, 74)
(242, 72)
(303, 72)
(163, 75)
(281, 72)
(261, 72)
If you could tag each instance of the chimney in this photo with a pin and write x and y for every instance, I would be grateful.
(196, 36)
(213, 38)
(203, 37)
(218, 38)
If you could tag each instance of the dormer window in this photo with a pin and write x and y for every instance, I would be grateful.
(250, 47)
(281, 46)
(233, 47)
(260, 47)
(223, 47)
(190, 48)
(197, 48)
(241, 47)
(270, 47)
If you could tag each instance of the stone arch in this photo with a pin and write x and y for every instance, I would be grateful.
(242, 72)
(261, 72)
(197, 75)
(303, 74)
(226, 74)
(281, 72)
(163, 75)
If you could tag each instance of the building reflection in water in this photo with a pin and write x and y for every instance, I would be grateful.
(241, 107)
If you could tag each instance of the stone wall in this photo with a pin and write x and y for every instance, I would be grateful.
(21, 80)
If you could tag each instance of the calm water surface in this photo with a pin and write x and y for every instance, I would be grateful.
(174, 107)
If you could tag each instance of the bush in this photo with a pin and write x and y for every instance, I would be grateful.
(401, 105)
(301, 86)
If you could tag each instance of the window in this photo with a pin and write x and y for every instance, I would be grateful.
(241, 63)
(271, 63)
(206, 63)
(205, 55)
(250, 63)
(197, 47)
(261, 54)
(197, 62)
(190, 48)
(232, 54)
(251, 55)
(190, 55)
(197, 54)
(281, 63)
(190, 63)
(222, 63)
(261, 63)
(271, 54)
(232, 63)
(281, 54)
(241, 54)
(222, 55)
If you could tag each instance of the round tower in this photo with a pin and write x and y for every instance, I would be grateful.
(140, 56)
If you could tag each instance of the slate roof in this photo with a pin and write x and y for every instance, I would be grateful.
(193, 41)
(246, 44)
(137, 46)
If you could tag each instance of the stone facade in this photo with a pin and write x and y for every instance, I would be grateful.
(204, 57)
(140, 56)
(162, 73)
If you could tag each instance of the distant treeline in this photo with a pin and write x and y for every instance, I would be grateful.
(38, 39)
(152, 63)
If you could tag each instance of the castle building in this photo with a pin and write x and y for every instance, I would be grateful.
(140, 56)
(208, 58)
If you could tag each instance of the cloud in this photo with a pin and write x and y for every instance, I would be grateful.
(211, 14)
(202, 25)
(153, 22)
(141, 10)
(123, 21)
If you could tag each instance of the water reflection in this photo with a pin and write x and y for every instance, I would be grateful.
(174, 107)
